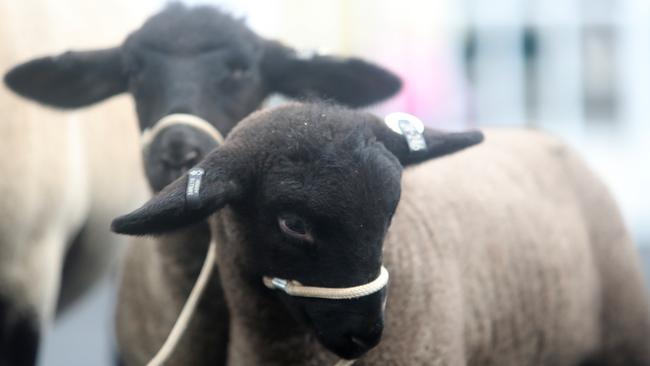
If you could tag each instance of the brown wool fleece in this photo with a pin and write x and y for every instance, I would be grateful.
(156, 280)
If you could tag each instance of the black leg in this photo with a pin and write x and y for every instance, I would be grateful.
(618, 359)
(19, 335)
(117, 358)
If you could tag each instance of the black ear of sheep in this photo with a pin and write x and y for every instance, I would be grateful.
(438, 143)
(186, 201)
(71, 80)
(349, 81)
(168, 210)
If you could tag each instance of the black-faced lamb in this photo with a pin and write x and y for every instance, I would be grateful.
(201, 70)
(509, 253)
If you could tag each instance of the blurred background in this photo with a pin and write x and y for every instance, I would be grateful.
(576, 68)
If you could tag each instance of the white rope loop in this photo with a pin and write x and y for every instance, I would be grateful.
(179, 119)
(295, 288)
(188, 310)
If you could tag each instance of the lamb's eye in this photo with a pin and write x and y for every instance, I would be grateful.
(238, 73)
(236, 76)
(295, 227)
(237, 70)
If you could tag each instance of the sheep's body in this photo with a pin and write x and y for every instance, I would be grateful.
(57, 197)
(56, 194)
(511, 253)
(44, 172)
(158, 275)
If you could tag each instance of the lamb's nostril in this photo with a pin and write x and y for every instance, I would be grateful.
(191, 156)
(180, 160)
(368, 339)
(359, 342)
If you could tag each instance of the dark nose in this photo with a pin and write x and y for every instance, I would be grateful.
(348, 328)
(181, 147)
(173, 151)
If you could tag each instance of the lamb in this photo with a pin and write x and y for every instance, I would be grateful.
(196, 63)
(509, 253)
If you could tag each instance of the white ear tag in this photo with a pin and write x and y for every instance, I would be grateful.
(410, 127)
(308, 54)
(192, 193)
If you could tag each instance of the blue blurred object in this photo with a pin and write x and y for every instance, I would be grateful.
(84, 335)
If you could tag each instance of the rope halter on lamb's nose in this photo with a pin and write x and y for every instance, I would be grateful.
(295, 288)
(169, 120)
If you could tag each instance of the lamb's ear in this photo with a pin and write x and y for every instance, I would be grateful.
(423, 146)
(173, 208)
(349, 81)
(71, 80)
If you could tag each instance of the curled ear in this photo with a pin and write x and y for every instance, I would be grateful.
(175, 207)
(71, 80)
(349, 81)
(437, 143)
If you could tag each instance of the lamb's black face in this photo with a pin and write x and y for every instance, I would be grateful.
(174, 151)
(197, 61)
(320, 218)
(311, 190)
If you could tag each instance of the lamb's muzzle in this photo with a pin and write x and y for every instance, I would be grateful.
(295, 288)
(174, 144)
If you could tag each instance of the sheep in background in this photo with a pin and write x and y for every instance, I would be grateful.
(196, 61)
(511, 253)
(56, 195)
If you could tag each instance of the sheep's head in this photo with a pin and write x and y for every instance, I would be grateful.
(312, 188)
(197, 61)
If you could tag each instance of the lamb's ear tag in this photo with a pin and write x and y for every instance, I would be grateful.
(410, 126)
(308, 54)
(192, 193)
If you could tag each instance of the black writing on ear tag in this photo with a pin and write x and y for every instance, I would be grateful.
(192, 193)
(410, 127)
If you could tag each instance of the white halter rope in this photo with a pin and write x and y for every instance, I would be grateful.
(179, 119)
(183, 320)
(295, 288)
